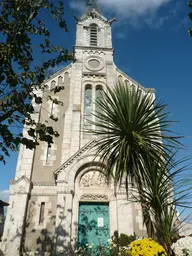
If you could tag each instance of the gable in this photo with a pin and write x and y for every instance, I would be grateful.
(75, 157)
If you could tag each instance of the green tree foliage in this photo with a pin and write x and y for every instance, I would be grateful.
(190, 16)
(23, 29)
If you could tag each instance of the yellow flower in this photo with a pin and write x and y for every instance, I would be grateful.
(146, 247)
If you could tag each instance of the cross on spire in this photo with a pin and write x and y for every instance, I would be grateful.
(93, 5)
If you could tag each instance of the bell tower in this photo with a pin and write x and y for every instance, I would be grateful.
(93, 53)
(93, 29)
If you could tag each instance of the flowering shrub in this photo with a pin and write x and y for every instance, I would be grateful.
(146, 247)
(142, 247)
(183, 246)
(92, 250)
(119, 244)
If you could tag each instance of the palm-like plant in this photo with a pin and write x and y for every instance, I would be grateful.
(134, 142)
(131, 127)
(163, 189)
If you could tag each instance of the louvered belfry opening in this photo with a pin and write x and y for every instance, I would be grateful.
(93, 35)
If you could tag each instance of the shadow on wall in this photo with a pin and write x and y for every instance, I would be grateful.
(46, 242)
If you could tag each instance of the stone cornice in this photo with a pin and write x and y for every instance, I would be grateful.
(94, 73)
(93, 48)
(94, 197)
(39, 184)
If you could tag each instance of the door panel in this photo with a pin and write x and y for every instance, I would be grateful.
(93, 227)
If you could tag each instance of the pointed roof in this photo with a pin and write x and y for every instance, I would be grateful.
(93, 5)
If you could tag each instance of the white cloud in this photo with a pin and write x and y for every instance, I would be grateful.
(4, 195)
(124, 8)
(77, 5)
(136, 12)
(132, 8)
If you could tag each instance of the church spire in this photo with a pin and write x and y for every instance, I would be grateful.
(93, 5)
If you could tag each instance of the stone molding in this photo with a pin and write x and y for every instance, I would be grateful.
(75, 156)
(94, 48)
(93, 57)
(20, 186)
(94, 197)
(94, 52)
(38, 184)
(36, 193)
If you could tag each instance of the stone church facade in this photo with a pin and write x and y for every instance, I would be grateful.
(55, 189)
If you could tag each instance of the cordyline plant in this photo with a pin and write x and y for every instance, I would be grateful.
(163, 189)
(135, 143)
(24, 36)
(130, 127)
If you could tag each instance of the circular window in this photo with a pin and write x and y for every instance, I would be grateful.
(94, 64)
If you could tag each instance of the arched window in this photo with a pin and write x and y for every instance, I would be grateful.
(87, 105)
(98, 93)
(127, 83)
(60, 81)
(53, 84)
(93, 34)
(98, 98)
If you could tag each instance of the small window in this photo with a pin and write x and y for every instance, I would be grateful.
(53, 109)
(127, 83)
(53, 84)
(42, 213)
(120, 79)
(93, 35)
(98, 93)
(88, 104)
(48, 155)
(98, 98)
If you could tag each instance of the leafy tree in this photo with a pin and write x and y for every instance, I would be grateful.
(23, 29)
(190, 16)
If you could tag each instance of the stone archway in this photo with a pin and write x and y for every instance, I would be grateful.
(92, 195)
(82, 180)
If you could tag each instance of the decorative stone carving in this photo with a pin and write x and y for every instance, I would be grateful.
(93, 179)
(94, 197)
(94, 63)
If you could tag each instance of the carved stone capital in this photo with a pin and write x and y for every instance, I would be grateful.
(94, 197)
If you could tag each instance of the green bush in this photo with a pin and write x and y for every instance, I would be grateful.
(120, 241)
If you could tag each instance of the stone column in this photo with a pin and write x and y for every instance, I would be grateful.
(14, 226)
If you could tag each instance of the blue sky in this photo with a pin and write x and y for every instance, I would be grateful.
(152, 46)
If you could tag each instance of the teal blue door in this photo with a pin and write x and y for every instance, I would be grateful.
(93, 227)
